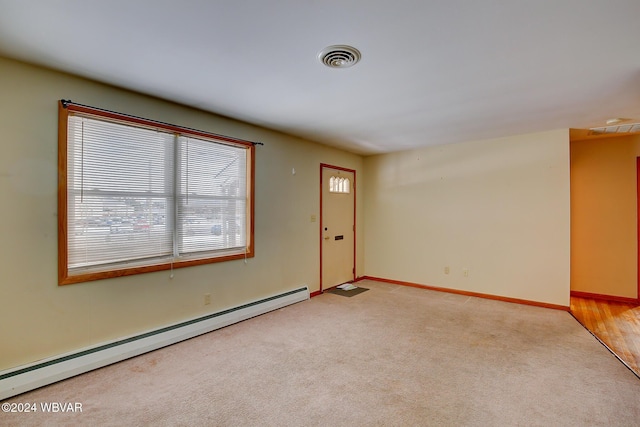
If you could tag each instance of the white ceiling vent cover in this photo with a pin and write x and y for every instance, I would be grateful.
(626, 128)
(339, 56)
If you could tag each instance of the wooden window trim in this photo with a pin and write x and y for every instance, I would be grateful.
(64, 278)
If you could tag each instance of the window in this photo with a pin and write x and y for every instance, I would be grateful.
(339, 184)
(137, 195)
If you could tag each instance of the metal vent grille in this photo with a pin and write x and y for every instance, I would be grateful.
(339, 56)
(626, 128)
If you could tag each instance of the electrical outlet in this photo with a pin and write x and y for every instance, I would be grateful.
(313, 218)
(465, 272)
(446, 269)
(207, 299)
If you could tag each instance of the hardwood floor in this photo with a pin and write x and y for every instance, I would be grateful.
(614, 323)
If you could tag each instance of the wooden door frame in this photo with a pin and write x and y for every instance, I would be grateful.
(328, 166)
(638, 226)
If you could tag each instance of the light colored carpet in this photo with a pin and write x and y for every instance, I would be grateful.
(393, 356)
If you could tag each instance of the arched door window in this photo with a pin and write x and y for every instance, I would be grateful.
(338, 184)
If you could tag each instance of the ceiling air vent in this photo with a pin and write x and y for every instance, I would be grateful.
(339, 56)
(625, 128)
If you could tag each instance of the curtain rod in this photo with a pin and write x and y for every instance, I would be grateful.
(66, 102)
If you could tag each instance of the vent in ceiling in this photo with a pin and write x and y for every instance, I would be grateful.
(339, 56)
(625, 128)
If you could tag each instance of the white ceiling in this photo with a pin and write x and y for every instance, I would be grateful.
(432, 72)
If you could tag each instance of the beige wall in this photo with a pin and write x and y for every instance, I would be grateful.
(499, 208)
(41, 319)
(604, 240)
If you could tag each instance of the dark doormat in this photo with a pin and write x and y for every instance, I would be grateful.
(344, 293)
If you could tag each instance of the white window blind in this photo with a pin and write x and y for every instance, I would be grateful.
(138, 196)
(212, 200)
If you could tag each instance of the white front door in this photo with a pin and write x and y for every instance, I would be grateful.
(337, 226)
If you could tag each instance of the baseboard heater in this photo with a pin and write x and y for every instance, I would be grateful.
(24, 378)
